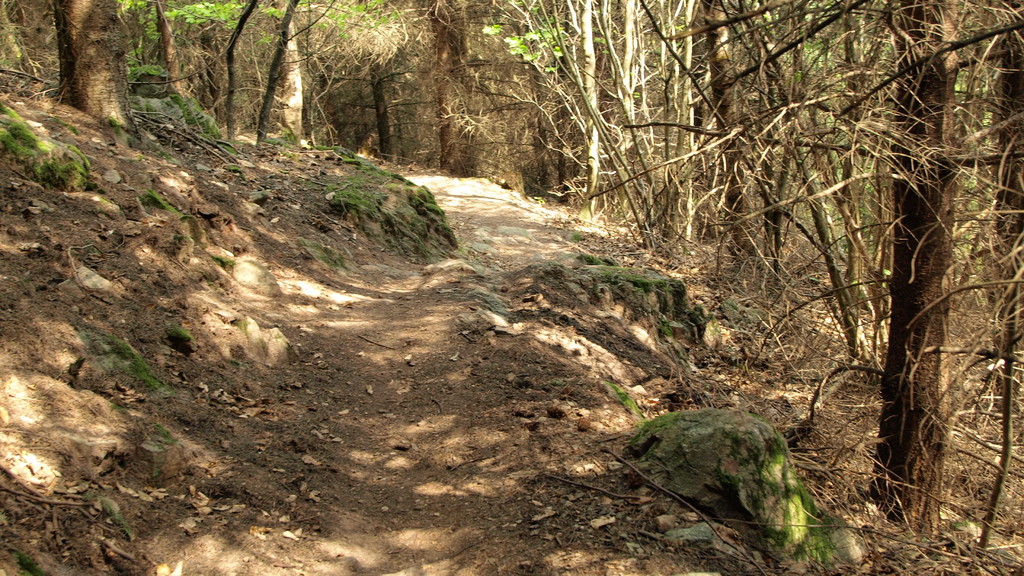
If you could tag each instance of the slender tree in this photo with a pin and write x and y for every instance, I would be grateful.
(229, 58)
(277, 66)
(447, 22)
(916, 412)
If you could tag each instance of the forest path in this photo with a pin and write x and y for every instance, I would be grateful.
(433, 406)
(503, 228)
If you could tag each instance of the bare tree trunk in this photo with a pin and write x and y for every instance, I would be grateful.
(276, 66)
(167, 47)
(229, 58)
(293, 96)
(91, 47)
(916, 411)
(449, 67)
(593, 134)
(378, 84)
(722, 118)
(211, 77)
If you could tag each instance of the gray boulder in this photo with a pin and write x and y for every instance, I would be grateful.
(738, 467)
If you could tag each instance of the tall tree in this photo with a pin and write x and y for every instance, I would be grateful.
(722, 117)
(450, 49)
(91, 47)
(916, 412)
(229, 59)
(277, 66)
(167, 46)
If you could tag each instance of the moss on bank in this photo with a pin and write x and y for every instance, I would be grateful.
(48, 162)
(389, 208)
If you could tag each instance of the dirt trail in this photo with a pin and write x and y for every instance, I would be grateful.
(418, 434)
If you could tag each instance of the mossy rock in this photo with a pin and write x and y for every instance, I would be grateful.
(179, 110)
(738, 466)
(113, 354)
(664, 298)
(48, 162)
(393, 210)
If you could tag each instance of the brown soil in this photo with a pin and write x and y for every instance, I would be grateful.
(434, 418)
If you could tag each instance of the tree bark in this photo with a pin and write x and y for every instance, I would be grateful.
(167, 47)
(722, 117)
(593, 134)
(449, 67)
(276, 67)
(916, 411)
(229, 58)
(378, 84)
(293, 93)
(91, 48)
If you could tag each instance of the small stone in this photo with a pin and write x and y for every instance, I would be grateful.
(666, 522)
(700, 534)
(92, 280)
(256, 277)
(260, 197)
(555, 411)
(112, 176)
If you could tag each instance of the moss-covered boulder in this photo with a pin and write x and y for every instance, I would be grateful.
(664, 297)
(178, 110)
(114, 355)
(47, 161)
(393, 210)
(738, 467)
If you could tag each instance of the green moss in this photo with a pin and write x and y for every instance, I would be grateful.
(625, 399)
(325, 254)
(137, 72)
(27, 565)
(178, 333)
(402, 215)
(195, 116)
(225, 263)
(591, 260)
(116, 355)
(160, 440)
(152, 199)
(163, 435)
(50, 163)
(642, 281)
(353, 200)
(651, 428)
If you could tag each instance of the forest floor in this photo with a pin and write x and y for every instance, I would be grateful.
(441, 418)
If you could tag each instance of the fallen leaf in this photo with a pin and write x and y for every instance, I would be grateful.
(602, 521)
(189, 525)
(547, 513)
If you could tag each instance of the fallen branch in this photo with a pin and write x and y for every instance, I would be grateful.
(361, 337)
